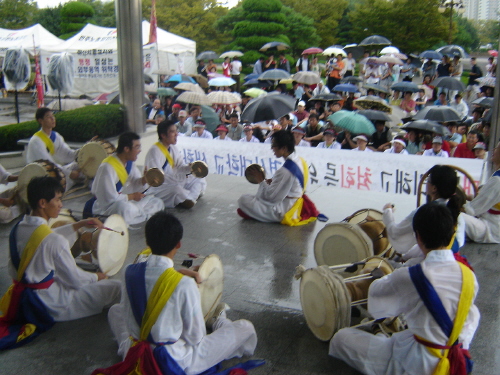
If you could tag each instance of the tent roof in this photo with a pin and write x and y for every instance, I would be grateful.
(24, 38)
(96, 37)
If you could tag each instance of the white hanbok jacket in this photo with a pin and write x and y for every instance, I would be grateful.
(333, 146)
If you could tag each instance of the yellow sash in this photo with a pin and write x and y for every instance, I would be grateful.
(497, 206)
(464, 304)
(48, 142)
(163, 289)
(29, 251)
(292, 216)
(118, 167)
(165, 152)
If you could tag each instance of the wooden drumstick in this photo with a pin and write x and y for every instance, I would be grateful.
(112, 230)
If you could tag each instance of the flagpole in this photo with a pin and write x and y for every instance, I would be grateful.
(153, 36)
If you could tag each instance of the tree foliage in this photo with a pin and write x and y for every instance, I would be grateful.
(74, 16)
(466, 35)
(16, 14)
(325, 13)
(488, 32)
(300, 30)
(411, 25)
(50, 18)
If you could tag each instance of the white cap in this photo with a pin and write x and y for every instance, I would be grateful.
(400, 141)
(361, 136)
(302, 103)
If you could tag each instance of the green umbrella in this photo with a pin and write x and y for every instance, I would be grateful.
(254, 92)
(166, 91)
(210, 117)
(353, 122)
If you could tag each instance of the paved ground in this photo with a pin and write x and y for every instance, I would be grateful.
(259, 261)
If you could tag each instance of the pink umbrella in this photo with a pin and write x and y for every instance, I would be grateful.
(312, 51)
(493, 52)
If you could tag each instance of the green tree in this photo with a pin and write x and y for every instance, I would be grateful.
(467, 35)
(74, 16)
(325, 13)
(410, 25)
(50, 18)
(104, 12)
(488, 31)
(16, 14)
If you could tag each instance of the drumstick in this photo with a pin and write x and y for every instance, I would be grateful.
(112, 230)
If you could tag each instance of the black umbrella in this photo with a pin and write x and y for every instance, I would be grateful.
(207, 55)
(256, 83)
(357, 51)
(427, 125)
(274, 46)
(375, 41)
(376, 87)
(404, 86)
(326, 97)
(453, 50)
(268, 107)
(430, 54)
(484, 102)
(373, 115)
(351, 79)
(439, 113)
(449, 83)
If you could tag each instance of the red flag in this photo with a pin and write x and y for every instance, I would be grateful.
(153, 24)
(39, 84)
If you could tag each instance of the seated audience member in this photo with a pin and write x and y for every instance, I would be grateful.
(398, 147)
(199, 130)
(222, 131)
(298, 135)
(466, 150)
(329, 135)
(249, 137)
(361, 142)
(437, 149)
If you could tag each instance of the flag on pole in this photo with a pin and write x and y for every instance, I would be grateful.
(152, 23)
(38, 79)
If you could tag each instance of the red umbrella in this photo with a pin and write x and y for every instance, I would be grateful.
(312, 51)
(493, 52)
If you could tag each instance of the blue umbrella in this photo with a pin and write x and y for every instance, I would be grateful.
(346, 87)
(431, 55)
(180, 78)
(251, 76)
(353, 122)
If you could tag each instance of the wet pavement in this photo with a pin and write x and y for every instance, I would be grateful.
(259, 263)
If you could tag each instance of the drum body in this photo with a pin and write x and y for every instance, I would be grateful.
(38, 168)
(359, 289)
(211, 288)
(92, 154)
(326, 302)
(66, 217)
(371, 222)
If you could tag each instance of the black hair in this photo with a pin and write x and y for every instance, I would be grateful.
(314, 115)
(286, 117)
(126, 140)
(232, 115)
(192, 109)
(434, 224)
(163, 233)
(474, 132)
(163, 127)
(44, 187)
(283, 138)
(41, 112)
(445, 179)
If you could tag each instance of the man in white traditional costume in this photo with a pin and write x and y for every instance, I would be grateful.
(180, 187)
(437, 300)
(118, 185)
(9, 209)
(48, 144)
(178, 323)
(482, 214)
(55, 289)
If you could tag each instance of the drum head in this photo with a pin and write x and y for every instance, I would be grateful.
(155, 177)
(341, 243)
(255, 169)
(374, 262)
(199, 169)
(325, 302)
(361, 216)
(65, 217)
(212, 273)
(28, 172)
(90, 157)
(112, 247)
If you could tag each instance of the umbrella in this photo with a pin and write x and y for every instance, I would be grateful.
(438, 113)
(286, 81)
(375, 41)
(254, 92)
(346, 87)
(274, 46)
(312, 51)
(180, 78)
(188, 86)
(372, 102)
(493, 52)
(207, 55)
(449, 83)
(69, 104)
(334, 51)
(307, 78)
(376, 87)
(268, 107)
(109, 96)
(221, 82)
(357, 51)
(351, 79)
(326, 97)
(452, 50)
(148, 79)
(388, 50)
(194, 98)
(487, 81)
(257, 83)
(16, 66)
(231, 54)
(487, 116)
(223, 97)
(210, 117)
(353, 122)
(484, 102)
(429, 54)
(201, 79)
(274, 75)
(404, 86)
(166, 91)
(387, 59)
(251, 76)
(373, 115)
(427, 125)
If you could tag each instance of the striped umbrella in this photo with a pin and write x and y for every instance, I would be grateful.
(194, 98)
(223, 97)
(188, 86)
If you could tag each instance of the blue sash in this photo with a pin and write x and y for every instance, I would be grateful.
(52, 136)
(128, 168)
(295, 170)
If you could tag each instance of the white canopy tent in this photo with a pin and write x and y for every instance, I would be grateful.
(34, 36)
(95, 51)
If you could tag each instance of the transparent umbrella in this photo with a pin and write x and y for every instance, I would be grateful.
(16, 67)
(61, 74)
